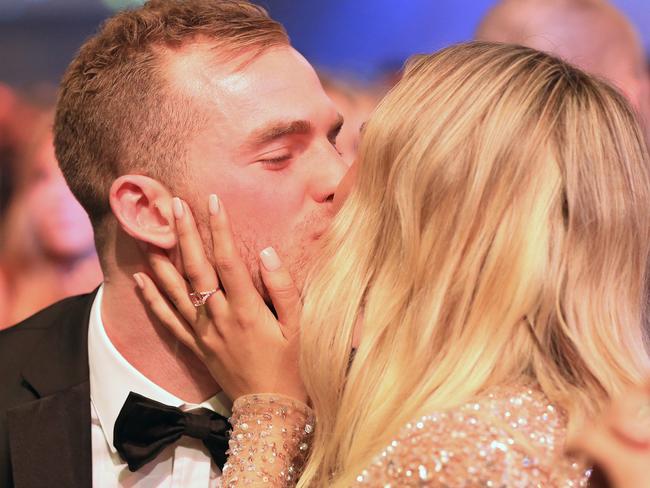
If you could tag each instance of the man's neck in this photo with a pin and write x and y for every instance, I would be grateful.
(149, 347)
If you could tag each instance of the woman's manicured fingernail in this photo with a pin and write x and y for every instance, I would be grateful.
(138, 280)
(270, 259)
(213, 204)
(177, 207)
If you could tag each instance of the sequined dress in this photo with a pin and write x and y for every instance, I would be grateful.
(510, 437)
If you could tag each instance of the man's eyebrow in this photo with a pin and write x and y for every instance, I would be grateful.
(276, 130)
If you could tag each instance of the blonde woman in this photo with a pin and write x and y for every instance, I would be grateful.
(479, 295)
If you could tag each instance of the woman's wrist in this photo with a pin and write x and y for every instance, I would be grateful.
(252, 401)
(270, 440)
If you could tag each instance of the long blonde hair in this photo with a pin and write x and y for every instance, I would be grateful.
(497, 232)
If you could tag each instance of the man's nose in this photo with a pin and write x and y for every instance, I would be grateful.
(325, 180)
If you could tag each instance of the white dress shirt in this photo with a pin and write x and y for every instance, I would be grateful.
(185, 464)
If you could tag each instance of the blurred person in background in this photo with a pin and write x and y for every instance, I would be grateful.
(7, 100)
(355, 102)
(592, 34)
(14, 126)
(46, 241)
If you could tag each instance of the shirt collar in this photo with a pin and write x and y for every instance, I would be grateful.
(112, 377)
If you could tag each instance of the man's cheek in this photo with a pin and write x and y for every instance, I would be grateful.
(257, 228)
(269, 209)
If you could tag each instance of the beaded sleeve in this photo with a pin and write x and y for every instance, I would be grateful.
(269, 442)
(501, 441)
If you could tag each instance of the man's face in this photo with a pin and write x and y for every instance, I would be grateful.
(267, 150)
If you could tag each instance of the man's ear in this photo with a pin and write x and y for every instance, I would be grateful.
(142, 206)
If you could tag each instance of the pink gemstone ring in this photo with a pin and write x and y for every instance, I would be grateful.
(200, 297)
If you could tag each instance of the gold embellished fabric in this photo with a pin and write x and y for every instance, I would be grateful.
(513, 437)
(269, 441)
(510, 437)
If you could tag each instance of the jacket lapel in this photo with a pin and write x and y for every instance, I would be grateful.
(49, 438)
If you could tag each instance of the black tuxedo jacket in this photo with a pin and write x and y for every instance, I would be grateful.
(45, 399)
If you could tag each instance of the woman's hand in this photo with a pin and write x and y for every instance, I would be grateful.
(619, 443)
(234, 333)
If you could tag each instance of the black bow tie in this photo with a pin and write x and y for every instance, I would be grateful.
(145, 427)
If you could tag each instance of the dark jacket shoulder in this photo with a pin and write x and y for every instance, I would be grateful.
(17, 341)
(42, 356)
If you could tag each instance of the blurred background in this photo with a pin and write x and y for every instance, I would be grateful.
(358, 46)
(358, 38)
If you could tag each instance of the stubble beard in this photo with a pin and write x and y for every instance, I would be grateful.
(296, 251)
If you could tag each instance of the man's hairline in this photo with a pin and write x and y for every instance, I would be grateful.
(247, 57)
(164, 54)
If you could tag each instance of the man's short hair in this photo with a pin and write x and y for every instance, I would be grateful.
(117, 114)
